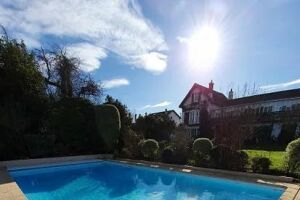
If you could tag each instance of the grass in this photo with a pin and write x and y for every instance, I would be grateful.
(277, 157)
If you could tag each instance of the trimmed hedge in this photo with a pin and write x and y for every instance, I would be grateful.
(108, 125)
(293, 155)
(150, 149)
(260, 164)
(167, 155)
(202, 146)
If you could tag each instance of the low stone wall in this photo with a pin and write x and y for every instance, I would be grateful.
(54, 160)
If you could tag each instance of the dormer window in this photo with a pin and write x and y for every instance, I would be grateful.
(195, 97)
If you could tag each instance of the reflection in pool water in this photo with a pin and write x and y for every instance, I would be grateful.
(105, 180)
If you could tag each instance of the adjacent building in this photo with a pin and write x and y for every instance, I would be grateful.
(172, 114)
(272, 109)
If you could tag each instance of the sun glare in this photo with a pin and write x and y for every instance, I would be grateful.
(203, 47)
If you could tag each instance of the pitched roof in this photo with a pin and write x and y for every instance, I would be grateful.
(218, 97)
(264, 97)
(164, 112)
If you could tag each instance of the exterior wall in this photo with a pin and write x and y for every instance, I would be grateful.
(191, 110)
(175, 118)
(259, 107)
(273, 112)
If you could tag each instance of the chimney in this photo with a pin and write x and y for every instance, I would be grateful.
(211, 85)
(230, 94)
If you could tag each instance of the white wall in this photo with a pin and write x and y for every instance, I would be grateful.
(175, 118)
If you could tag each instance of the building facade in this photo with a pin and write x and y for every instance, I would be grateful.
(273, 109)
(172, 114)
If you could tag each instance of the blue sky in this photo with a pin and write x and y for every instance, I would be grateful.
(134, 48)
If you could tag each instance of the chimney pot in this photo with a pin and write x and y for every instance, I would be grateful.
(211, 85)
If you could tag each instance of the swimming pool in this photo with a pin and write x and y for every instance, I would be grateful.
(106, 180)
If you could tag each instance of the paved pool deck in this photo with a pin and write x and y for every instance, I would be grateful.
(9, 190)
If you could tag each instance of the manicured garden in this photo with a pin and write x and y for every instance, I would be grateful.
(49, 107)
(277, 158)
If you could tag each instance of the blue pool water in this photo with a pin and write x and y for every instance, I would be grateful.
(104, 180)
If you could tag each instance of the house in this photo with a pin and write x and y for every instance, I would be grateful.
(172, 114)
(273, 109)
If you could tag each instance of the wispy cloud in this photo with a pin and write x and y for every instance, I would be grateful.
(90, 55)
(100, 27)
(108, 84)
(161, 104)
(280, 86)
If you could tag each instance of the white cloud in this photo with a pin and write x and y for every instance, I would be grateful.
(280, 86)
(161, 104)
(90, 55)
(117, 26)
(152, 61)
(108, 84)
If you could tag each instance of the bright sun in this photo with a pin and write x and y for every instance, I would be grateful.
(204, 46)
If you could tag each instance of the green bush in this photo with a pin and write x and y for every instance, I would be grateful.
(243, 160)
(40, 145)
(72, 121)
(130, 144)
(260, 164)
(167, 154)
(202, 146)
(108, 125)
(293, 155)
(223, 157)
(150, 149)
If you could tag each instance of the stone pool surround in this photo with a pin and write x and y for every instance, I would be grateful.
(9, 190)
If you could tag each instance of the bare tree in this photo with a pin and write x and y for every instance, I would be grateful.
(64, 77)
(247, 89)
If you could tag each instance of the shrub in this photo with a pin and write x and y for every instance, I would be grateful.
(223, 157)
(150, 149)
(260, 164)
(167, 155)
(108, 125)
(244, 160)
(40, 145)
(72, 121)
(202, 146)
(293, 155)
(287, 133)
(130, 144)
(181, 143)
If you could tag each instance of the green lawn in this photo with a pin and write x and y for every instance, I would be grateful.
(276, 157)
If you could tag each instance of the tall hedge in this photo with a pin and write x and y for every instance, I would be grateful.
(108, 125)
(72, 121)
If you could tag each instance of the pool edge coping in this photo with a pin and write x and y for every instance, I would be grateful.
(11, 191)
(292, 190)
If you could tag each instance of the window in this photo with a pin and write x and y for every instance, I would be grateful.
(283, 108)
(194, 116)
(270, 108)
(195, 97)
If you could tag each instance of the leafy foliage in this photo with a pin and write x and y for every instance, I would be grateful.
(131, 144)
(202, 146)
(158, 127)
(150, 149)
(260, 164)
(287, 133)
(167, 154)
(23, 102)
(125, 117)
(224, 157)
(72, 120)
(181, 143)
(293, 155)
(108, 125)
(201, 150)
(64, 77)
